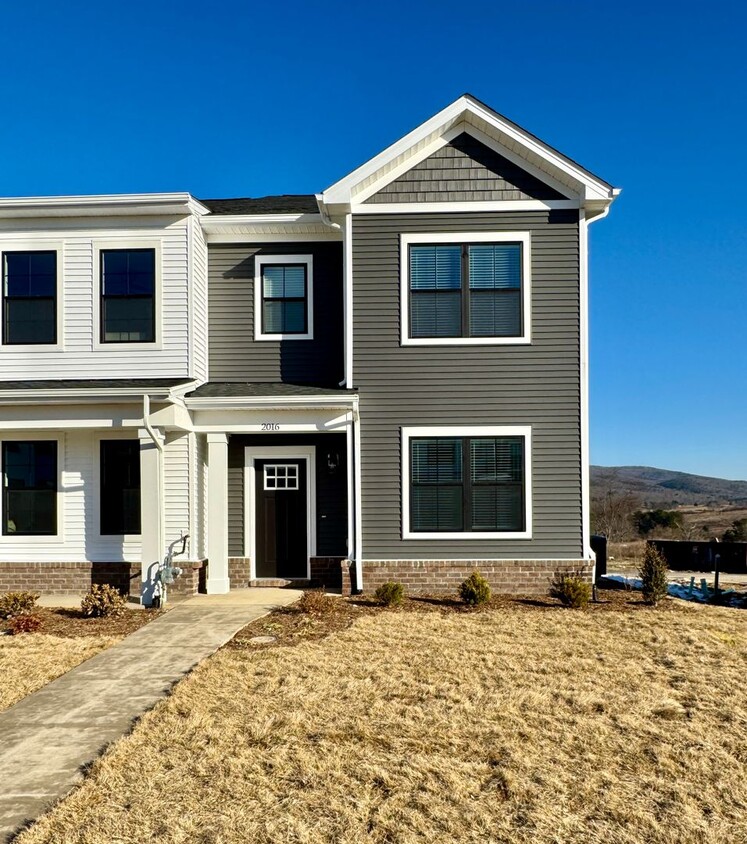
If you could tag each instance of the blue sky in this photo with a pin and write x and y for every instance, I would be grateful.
(241, 98)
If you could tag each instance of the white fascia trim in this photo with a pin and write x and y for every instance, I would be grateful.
(288, 258)
(342, 191)
(58, 247)
(272, 403)
(409, 433)
(261, 236)
(465, 237)
(219, 221)
(466, 207)
(98, 204)
(77, 397)
(296, 452)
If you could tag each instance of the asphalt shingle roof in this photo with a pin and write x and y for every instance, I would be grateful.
(224, 389)
(287, 203)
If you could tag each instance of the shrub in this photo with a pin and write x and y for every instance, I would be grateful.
(24, 623)
(571, 589)
(653, 574)
(103, 601)
(316, 602)
(17, 603)
(390, 593)
(475, 589)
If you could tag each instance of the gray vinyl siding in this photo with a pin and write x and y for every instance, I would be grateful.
(536, 384)
(331, 489)
(234, 355)
(464, 170)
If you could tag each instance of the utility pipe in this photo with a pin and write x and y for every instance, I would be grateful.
(159, 489)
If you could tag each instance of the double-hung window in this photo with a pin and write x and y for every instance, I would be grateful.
(465, 289)
(30, 298)
(466, 483)
(29, 487)
(120, 487)
(128, 295)
(283, 297)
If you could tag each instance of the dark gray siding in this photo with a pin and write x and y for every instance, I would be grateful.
(464, 170)
(537, 384)
(331, 489)
(233, 353)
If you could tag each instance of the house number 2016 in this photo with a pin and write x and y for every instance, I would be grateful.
(270, 426)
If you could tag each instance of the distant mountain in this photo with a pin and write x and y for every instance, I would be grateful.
(663, 488)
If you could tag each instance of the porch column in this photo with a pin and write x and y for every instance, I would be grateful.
(217, 516)
(151, 512)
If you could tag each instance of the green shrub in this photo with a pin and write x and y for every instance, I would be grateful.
(17, 603)
(571, 589)
(390, 593)
(24, 623)
(103, 601)
(653, 574)
(475, 590)
(315, 602)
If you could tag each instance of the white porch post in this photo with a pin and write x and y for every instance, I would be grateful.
(217, 516)
(151, 512)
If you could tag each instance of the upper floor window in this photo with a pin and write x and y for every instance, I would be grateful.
(465, 288)
(29, 488)
(29, 298)
(283, 297)
(128, 295)
(466, 482)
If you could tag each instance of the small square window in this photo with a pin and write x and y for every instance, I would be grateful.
(281, 476)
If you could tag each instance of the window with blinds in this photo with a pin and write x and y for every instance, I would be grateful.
(465, 290)
(467, 484)
(284, 299)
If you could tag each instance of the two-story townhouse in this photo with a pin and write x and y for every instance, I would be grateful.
(387, 380)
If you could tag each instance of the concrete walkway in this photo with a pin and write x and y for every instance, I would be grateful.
(47, 737)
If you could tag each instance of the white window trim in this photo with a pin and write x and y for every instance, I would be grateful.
(406, 239)
(524, 431)
(100, 246)
(36, 246)
(123, 538)
(38, 539)
(289, 258)
(277, 453)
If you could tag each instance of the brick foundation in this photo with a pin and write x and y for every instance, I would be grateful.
(77, 578)
(441, 577)
(238, 572)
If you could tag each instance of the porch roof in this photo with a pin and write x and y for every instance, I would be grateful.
(246, 389)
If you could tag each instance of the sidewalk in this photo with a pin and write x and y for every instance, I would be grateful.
(46, 738)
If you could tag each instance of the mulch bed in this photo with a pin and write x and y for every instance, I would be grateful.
(291, 625)
(71, 623)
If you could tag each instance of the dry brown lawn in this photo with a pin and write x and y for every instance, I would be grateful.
(522, 723)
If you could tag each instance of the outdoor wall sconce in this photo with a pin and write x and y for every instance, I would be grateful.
(333, 462)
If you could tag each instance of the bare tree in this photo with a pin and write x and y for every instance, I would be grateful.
(611, 514)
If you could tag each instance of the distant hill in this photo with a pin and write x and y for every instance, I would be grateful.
(664, 488)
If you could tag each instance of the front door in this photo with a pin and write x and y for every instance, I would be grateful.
(281, 526)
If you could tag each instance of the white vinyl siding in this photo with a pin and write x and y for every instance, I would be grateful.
(80, 301)
(176, 498)
(199, 300)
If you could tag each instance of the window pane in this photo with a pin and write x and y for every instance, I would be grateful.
(120, 487)
(30, 321)
(436, 508)
(30, 487)
(128, 272)
(495, 266)
(437, 460)
(498, 507)
(273, 282)
(435, 267)
(128, 320)
(273, 318)
(283, 281)
(497, 459)
(295, 282)
(495, 313)
(436, 314)
(294, 317)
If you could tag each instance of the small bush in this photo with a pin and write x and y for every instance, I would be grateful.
(17, 603)
(571, 589)
(24, 623)
(390, 594)
(103, 602)
(475, 590)
(653, 574)
(317, 603)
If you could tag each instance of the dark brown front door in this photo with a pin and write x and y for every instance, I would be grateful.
(281, 518)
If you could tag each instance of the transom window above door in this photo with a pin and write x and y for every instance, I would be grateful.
(283, 297)
(465, 289)
(281, 476)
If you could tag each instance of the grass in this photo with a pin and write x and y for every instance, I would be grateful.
(31, 660)
(521, 722)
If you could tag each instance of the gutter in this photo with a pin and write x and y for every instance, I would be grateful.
(160, 490)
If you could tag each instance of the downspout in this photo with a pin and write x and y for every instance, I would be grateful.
(159, 491)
